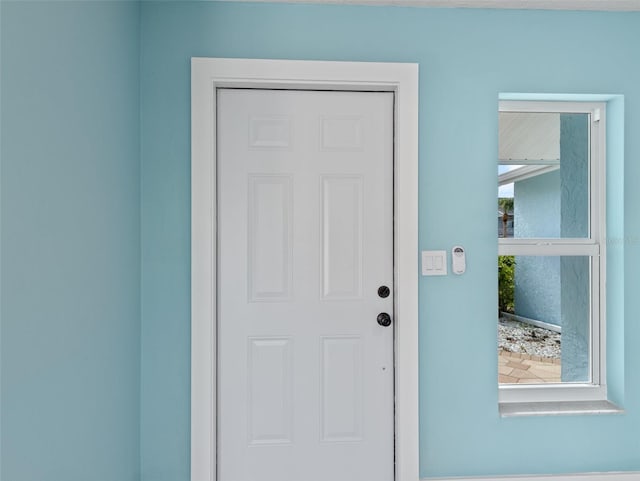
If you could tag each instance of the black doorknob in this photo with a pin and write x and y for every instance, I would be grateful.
(384, 319)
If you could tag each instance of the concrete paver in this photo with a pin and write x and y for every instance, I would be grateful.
(517, 368)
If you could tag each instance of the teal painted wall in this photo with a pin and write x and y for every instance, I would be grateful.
(83, 182)
(70, 241)
(466, 58)
(537, 280)
(574, 170)
(537, 206)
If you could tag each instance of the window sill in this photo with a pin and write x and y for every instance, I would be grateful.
(558, 408)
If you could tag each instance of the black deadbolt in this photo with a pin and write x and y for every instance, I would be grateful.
(383, 291)
(384, 319)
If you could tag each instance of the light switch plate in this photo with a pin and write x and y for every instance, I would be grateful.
(434, 263)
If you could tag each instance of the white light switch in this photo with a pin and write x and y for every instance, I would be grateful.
(434, 263)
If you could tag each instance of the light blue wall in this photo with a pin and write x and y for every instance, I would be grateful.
(537, 288)
(537, 279)
(618, 198)
(574, 171)
(537, 206)
(466, 57)
(70, 242)
(69, 218)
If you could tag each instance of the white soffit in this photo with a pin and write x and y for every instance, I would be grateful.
(528, 136)
(602, 5)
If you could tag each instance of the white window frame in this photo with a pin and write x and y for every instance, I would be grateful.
(593, 246)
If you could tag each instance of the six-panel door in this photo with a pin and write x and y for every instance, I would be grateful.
(305, 230)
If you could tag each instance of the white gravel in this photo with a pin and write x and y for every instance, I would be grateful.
(515, 336)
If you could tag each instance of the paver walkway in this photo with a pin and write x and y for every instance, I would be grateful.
(515, 368)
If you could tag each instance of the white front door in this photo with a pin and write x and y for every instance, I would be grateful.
(305, 243)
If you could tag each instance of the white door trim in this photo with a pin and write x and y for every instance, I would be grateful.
(208, 74)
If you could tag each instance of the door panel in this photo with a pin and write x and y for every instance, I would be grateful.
(269, 396)
(269, 237)
(342, 396)
(305, 235)
(342, 246)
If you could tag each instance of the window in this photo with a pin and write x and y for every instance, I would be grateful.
(551, 251)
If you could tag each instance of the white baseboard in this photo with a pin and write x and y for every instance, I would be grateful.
(613, 476)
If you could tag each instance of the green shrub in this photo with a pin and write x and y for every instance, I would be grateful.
(506, 283)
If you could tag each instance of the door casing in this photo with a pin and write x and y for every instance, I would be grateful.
(209, 74)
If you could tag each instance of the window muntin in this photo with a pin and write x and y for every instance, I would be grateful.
(551, 221)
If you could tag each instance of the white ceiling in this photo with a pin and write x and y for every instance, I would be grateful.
(604, 5)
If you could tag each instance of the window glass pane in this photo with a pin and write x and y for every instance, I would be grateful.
(544, 319)
(543, 175)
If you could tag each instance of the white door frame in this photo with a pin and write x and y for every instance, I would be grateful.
(208, 74)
